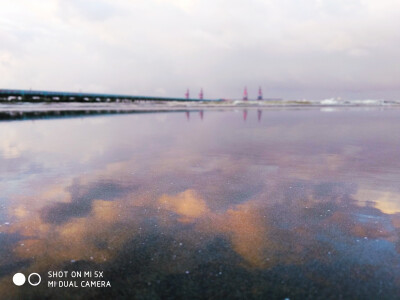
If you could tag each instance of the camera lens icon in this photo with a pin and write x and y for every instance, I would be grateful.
(34, 279)
(19, 279)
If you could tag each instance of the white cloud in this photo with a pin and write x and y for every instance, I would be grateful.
(293, 48)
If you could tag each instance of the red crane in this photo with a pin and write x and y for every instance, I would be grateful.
(245, 95)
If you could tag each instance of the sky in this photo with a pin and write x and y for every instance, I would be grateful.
(293, 49)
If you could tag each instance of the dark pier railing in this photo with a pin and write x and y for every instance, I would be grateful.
(45, 96)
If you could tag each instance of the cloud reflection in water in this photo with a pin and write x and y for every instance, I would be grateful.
(276, 207)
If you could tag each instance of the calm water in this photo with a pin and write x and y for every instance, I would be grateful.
(237, 204)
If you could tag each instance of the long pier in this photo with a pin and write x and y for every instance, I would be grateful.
(46, 96)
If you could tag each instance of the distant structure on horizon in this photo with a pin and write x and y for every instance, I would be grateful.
(7, 95)
(260, 95)
(245, 95)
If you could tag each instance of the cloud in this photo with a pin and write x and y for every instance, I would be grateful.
(91, 10)
(292, 48)
(187, 204)
(82, 198)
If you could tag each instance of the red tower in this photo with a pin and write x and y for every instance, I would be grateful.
(245, 96)
(201, 95)
(187, 94)
(260, 95)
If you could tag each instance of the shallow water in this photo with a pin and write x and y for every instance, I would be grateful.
(242, 204)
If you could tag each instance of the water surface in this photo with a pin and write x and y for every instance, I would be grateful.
(243, 204)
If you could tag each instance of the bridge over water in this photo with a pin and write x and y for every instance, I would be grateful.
(46, 96)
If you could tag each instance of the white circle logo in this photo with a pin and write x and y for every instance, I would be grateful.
(19, 279)
(34, 283)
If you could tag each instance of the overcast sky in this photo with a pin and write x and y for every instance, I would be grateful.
(292, 48)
